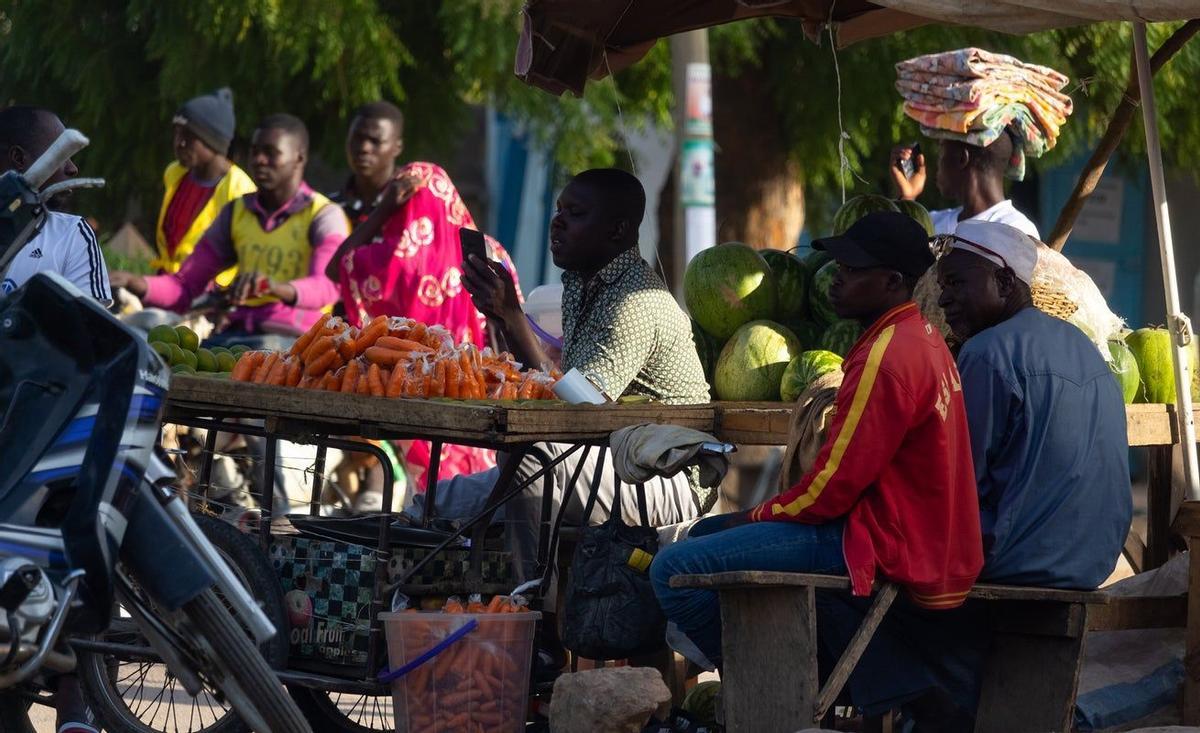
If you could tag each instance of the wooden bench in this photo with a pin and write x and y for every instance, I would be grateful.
(768, 625)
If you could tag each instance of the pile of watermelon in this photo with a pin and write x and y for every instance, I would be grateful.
(754, 313)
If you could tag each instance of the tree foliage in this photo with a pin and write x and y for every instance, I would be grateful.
(117, 69)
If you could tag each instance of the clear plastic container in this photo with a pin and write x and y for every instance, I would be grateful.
(478, 683)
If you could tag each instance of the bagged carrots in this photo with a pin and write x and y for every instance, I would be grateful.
(395, 357)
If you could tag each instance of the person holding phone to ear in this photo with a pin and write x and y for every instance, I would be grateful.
(404, 256)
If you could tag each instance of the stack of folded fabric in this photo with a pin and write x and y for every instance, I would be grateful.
(974, 95)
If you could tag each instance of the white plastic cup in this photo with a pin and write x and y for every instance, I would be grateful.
(578, 390)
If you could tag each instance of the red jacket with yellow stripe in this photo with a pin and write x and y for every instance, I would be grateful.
(897, 465)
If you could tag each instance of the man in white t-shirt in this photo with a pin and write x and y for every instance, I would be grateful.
(65, 244)
(968, 174)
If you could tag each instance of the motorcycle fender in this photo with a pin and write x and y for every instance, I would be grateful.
(166, 565)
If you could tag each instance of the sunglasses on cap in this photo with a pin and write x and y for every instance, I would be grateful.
(941, 244)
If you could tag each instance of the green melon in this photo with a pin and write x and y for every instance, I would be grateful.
(858, 207)
(728, 285)
(1151, 348)
(840, 337)
(791, 283)
(804, 370)
(819, 307)
(752, 363)
(700, 703)
(918, 212)
(1125, 368)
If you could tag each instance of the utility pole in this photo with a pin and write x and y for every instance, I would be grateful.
(695, 179)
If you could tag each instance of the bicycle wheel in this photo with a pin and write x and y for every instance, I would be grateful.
(134, 690)
(339, 712)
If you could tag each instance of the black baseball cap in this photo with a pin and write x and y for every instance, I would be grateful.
(882, 239)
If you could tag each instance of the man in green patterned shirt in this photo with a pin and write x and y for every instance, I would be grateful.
(621, 329)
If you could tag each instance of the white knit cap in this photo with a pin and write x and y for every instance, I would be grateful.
(1000, 243)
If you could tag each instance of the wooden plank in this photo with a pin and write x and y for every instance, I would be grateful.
(596, 421)
(1158, 508)
(1187, 519)
(491, 423)
(1037, 619)
(752, 423)
(1165, 612)
(1151, 425)
(1029, 684)
(1191, 680)
(769, 646)
(1134, 551)
(854, 651)
(766, 423)
(759, 578)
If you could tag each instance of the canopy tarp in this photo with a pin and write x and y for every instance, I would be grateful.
(566, 42)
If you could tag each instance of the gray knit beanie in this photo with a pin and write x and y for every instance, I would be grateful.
(210, 117)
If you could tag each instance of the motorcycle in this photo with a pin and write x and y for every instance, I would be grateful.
(88, 522)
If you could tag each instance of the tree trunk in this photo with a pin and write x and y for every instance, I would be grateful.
(760, 200)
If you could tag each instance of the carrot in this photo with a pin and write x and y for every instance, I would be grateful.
(453, 380)
(395, 383)
(350, 378)
(345, 345)
(508, 391)
(494, 604)
(264, 369)
(439, 379)
(243, 370)
(323, 363)
(417, 332)
(526, 390)
(306, 339)
(398, 344)
(278, 372)
(295, 371)
(362, 387)
(369, 335)
(375, 380)
(319, 347)
(385, 357)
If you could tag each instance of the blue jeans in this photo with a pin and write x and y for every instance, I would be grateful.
(778, 546)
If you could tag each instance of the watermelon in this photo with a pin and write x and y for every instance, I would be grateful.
(707, 347)
(819, 307)
(728, 285)
(1124, 367)
(840, 337)
(751, 365)
(807, 333)
(802, 371)
(918, 212)
(1151, 348)
(791, 283)
(858, 207)
(700, 704)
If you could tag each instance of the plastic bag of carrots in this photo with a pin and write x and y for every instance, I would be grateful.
(479, 683)
(394, 357)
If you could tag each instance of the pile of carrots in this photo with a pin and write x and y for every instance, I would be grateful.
(394, 357)
(464, 687)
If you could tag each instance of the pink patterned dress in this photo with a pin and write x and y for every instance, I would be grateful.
(413, 268)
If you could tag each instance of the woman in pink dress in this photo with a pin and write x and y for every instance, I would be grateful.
(405, 260)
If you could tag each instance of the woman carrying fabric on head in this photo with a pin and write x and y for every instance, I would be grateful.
(404, 258)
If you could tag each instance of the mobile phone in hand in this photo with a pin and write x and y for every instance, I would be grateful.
(472, 244)
(909, 167)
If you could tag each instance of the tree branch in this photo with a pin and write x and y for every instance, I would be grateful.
(1122, 116)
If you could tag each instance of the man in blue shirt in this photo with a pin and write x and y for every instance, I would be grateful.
(1048, 426)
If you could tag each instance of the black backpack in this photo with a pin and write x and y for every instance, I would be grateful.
(610, 610)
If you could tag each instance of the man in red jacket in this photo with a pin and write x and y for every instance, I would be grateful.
(892, 492)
